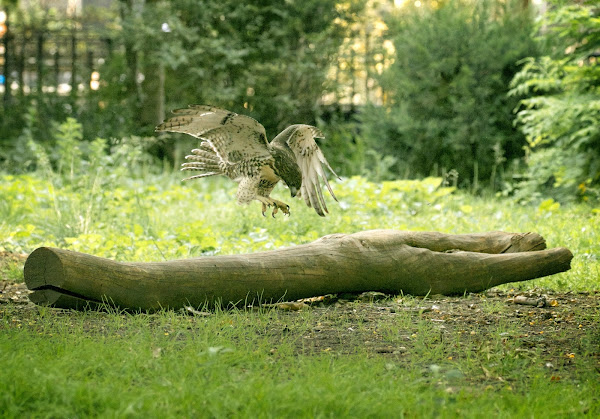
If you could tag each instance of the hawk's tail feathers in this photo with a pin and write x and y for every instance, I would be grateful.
(205, 150)
(203, 160)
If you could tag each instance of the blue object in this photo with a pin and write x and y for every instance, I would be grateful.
(2, 78)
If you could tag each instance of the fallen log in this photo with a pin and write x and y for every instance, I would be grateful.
(390, 261)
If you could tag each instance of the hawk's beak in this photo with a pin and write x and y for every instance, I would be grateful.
(293, 191)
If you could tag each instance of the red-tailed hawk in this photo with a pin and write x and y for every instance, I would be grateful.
(236, 146)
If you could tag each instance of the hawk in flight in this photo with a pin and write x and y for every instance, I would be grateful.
(236, 146)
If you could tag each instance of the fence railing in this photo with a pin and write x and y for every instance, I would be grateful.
(52, 56)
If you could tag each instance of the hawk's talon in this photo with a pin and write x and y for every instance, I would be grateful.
(277, 205)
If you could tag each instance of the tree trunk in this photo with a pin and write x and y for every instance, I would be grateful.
(390, 261)
(153, 98)
(152, 112)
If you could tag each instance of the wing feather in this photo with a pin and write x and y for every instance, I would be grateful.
(301, 139)
(238, 142)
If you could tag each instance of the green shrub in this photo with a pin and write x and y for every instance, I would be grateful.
(348, 152)
(79, 173)
(560, 115)
(446, 90)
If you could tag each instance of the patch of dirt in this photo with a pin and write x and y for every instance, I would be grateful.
(11, 291)
(389, 325)
(14, 292)
(560, 336)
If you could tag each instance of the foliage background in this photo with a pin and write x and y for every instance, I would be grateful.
(560, 112)
(474, 91)
(446, 90)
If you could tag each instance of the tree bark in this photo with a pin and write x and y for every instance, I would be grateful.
(417, 263)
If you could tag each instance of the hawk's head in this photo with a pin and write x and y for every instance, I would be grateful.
(292, 178)
(286, 166)
(293, 191)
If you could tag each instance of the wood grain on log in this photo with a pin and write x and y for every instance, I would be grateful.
(390, 261)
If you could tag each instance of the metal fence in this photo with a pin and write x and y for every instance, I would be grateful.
(53, 56)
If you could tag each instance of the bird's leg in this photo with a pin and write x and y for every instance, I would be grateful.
(277, 205)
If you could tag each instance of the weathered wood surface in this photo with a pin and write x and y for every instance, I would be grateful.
(390, 261)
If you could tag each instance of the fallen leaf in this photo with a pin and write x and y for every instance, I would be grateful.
(434, 368)
(216, 350)
(287, 306)
(193, 311)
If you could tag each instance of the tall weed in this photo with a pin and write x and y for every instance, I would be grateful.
(79, 174)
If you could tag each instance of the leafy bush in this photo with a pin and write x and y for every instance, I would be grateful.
(347, 151)
(560, 115)
(78, 174)
(268, 59)
(446, 90)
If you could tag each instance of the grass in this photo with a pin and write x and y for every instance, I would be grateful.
(387, 358)
(158, 218)
(270, 364)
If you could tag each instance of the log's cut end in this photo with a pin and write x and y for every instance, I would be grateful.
(43, 272)
(557, 260)
(526, 242)
(43, 269)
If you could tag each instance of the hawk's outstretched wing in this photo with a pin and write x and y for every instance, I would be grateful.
(233, 144)
(301, 139)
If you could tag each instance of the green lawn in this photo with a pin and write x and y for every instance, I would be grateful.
(267, 364)
(159, 218)
(389, 358)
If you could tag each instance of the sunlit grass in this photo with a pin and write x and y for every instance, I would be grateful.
(159, 217)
